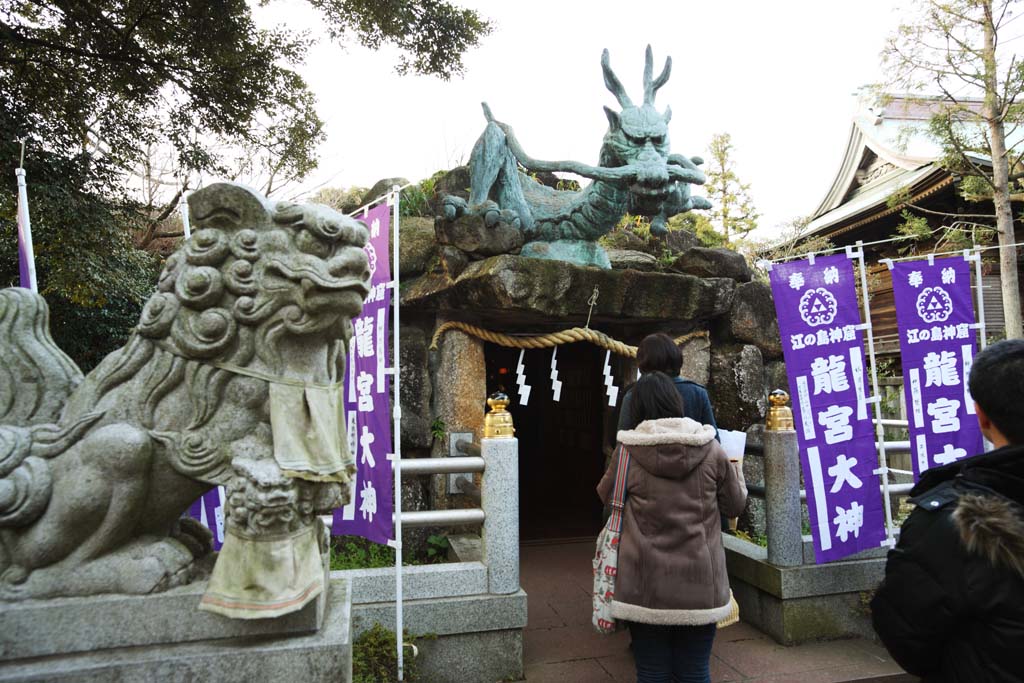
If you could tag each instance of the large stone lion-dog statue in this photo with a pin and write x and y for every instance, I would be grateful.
(95, 473)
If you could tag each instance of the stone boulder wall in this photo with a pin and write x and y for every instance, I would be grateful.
(678, 241)
(416, 389)
(718, 262)
(459, 372)
(628, 259)
(775, 376)
(469, 234)
(381, 188)
(752, 319)
(416, 247)
(737, 385)
(697, 360)
(448, 262)
(537, 290)
(455, 182)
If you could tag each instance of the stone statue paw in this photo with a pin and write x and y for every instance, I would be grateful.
(194, 536)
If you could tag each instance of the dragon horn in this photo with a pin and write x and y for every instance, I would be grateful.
(612, 82)
(651, 86)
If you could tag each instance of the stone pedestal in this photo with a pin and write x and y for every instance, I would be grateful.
(782, 498)
(164, 637)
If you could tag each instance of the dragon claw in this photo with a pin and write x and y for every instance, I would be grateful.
(453, 207)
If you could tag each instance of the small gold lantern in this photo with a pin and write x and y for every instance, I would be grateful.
(498, 422)
(780, 415)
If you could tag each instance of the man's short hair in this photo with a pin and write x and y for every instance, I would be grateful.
(659, 353)
(997, 384)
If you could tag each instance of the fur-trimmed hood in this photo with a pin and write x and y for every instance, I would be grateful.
(993, 527)
(989, 512)
(670, 447)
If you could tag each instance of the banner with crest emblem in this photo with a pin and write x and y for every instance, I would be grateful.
(823, 346)
(935, 318)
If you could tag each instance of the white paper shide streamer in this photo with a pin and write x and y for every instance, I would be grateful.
(524, 388)
(609, 381)
(556, 384)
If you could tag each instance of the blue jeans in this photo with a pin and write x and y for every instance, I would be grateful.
(672, 654)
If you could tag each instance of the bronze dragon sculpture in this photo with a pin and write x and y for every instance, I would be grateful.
(636, 174)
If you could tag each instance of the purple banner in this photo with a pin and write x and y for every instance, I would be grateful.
(817, 307)
(935, 317)
(367, 397)
(209, 510)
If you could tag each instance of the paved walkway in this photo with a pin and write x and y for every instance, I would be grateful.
(561, 647)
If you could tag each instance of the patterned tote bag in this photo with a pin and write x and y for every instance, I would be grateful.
(606, 558)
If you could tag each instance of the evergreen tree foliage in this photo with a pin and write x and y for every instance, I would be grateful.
(733, 214)
(94, 87)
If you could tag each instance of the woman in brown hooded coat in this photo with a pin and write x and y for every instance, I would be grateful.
(672, 585)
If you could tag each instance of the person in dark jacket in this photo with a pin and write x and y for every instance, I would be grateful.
(659, 353)
(672, 586)
(951, 607)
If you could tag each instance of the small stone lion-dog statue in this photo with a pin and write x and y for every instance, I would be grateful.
(96, 473)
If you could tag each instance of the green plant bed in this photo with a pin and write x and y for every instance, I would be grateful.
(354, 552)
(375, 657)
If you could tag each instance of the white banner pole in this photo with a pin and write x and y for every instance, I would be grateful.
(183, 209)
(26, 254)
(883, 465)
(397, 414)
(976, 257)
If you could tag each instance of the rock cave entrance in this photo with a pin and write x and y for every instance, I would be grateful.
(560, 442)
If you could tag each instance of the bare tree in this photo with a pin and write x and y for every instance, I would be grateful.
(954, 49)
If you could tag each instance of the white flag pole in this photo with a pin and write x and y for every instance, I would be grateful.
(883, 464)
(183, 209)
(26, 255)
(397, 446)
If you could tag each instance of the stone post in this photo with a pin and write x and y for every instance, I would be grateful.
(782, 486)
(500, 501)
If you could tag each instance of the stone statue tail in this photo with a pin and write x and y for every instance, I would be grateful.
(36, 377)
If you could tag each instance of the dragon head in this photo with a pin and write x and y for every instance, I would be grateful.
(638, 136)
(257, 267)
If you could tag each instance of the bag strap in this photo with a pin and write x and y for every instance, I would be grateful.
(619, 493)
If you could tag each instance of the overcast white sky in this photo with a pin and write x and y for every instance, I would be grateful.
(778, 76)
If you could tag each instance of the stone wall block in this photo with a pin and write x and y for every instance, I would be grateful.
(775, 376)
(470, 234)
(737, 386)
(718, 262)
(697, 360)
(416, 247)
(752, 318)
(459, 379)
(622, 259)
(416, 389)
(540, 290)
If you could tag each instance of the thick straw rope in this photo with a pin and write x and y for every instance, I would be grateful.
(543, 341)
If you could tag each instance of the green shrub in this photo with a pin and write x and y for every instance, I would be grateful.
(353, 552)
(375, 659)
(437, 548)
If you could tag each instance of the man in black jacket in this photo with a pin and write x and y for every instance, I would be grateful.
(951, 607)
